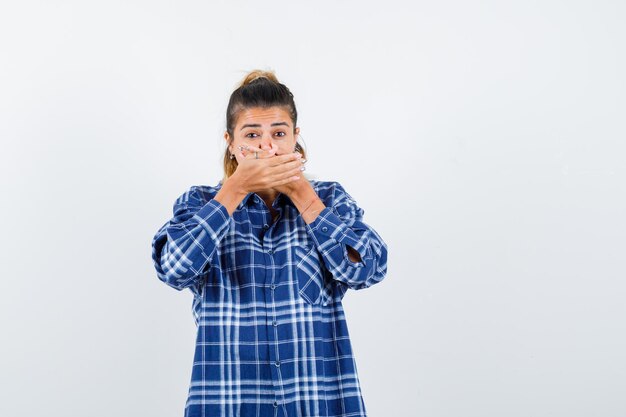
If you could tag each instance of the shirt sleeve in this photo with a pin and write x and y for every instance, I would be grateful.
(340, 225)
(183, 248)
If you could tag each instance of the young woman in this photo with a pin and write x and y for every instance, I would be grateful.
(269, 256)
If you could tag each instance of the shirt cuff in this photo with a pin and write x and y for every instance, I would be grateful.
(331, 235)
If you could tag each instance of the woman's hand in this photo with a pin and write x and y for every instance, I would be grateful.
(300, 192)
(261, 169)
(292, 187)
(258, 170)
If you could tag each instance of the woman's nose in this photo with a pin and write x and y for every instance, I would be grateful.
(266, 142)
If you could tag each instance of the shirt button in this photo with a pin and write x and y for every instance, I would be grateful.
(277, 363)
(273, 286)
(256, 200)
(324, 229)
(275, 403)
(266, 226)
(274, 323)
(270, 251)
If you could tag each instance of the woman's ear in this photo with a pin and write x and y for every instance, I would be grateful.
(296, 131)
(227, 139)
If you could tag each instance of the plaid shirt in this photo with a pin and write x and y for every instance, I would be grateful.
(272, 337)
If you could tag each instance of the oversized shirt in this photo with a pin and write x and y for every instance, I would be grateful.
(272, 339)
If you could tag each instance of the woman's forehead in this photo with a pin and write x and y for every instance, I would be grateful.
(263, 116)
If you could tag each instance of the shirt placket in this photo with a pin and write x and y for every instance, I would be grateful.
(271, 285)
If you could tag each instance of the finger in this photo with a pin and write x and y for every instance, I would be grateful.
(263, 153)
(244, 151)
(251, 152)
(281, 171)
(284, 181)
(281, 159)
(292, 166)
(279, 176)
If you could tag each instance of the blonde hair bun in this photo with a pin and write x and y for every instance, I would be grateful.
(256, 74)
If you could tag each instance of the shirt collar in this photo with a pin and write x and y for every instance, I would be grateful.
(249, 199)
(254, 198)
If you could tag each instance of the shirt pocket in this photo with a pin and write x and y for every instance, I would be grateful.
(313, 282)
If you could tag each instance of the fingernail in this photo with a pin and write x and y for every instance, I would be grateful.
(303, 160)
(302, 168)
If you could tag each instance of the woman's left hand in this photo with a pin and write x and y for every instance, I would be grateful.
(294, 186)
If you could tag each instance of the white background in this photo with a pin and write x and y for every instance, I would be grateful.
(485, 141)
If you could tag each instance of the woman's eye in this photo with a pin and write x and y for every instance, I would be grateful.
(255, 135)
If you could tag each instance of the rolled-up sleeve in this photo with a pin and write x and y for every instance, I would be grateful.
(183, 248)
(340, 225)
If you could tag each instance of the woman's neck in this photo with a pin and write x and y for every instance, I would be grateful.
(268, 196)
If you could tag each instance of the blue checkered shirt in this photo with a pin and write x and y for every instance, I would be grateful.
(272, 338)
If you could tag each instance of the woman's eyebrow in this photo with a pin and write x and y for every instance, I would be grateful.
(258, 125)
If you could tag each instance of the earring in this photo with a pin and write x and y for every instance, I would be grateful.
(232, 156)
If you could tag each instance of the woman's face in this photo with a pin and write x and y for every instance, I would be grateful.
(263, 128)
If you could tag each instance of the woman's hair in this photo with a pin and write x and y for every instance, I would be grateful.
(258, 89)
